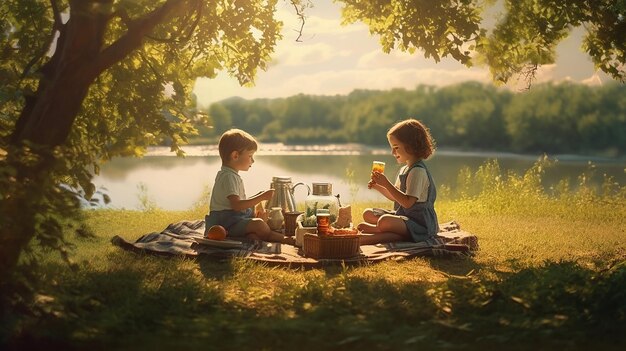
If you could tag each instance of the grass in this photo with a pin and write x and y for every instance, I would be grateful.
(550, 274)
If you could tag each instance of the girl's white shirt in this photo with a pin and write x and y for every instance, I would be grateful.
(416, 183)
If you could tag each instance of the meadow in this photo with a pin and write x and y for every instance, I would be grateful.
(550, 274)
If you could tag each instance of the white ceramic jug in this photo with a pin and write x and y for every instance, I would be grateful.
(275, 218)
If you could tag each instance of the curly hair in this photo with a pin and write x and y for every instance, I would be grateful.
(415, 136)
(235, 140)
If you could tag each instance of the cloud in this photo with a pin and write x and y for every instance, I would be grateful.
(305, 53)
(377, 58)
(221, 87)
(317, 25)
(343, 82)
(334, 82)
(594, 80)
(545, 73)
(319, 40)
(318, 21)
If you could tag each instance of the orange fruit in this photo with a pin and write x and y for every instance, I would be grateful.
(216, 232)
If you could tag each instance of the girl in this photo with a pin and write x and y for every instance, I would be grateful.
(413, 194)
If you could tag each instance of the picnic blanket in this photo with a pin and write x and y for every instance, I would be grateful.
(180, 239)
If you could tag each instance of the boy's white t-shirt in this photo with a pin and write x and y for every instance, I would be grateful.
(416, 183)
(227, 182)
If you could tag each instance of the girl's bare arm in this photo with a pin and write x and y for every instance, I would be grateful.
(390, 191)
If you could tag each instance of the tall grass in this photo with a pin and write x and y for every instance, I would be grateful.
(550, 274)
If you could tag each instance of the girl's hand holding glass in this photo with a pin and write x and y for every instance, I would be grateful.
(378, 166)
(380, 179)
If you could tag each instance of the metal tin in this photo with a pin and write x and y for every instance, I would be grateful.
(323, 189)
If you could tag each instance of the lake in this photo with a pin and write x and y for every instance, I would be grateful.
(175, 183)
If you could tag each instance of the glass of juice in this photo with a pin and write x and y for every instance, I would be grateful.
(323, 221)
(378, 166)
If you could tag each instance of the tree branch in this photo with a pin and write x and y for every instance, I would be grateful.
(528, 74)
(56, 26)
(181, 37)
(154, 70)
(194, 25)
(137, 30)
(58, 22)
(300, 14)
(123, 15)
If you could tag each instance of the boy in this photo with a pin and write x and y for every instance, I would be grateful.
(229, 206)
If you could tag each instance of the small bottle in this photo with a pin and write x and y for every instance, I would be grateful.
(323, 221)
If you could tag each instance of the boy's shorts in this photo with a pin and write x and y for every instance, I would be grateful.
(235, 222)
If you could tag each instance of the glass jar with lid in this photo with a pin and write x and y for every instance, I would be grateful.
(321, 198)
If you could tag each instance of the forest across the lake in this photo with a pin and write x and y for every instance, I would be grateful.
(550, 118)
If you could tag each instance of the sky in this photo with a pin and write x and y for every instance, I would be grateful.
(332, 59)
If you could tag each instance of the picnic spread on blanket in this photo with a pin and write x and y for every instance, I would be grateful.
(323, 234)
(185, 238)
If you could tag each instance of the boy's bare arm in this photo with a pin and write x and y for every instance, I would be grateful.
(237, 204)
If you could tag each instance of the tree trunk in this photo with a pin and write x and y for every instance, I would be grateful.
(48, 115)
(18, 211)
(45, 123)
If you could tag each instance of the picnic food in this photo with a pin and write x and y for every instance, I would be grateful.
(345, 217)
(345, 231)
(260, 212)
(216, 232)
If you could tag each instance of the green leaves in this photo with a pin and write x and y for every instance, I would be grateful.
(529, 32)
(95, 74)
(524, 39)
(437, 29)
(128, 101)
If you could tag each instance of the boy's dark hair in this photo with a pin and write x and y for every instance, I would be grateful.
(415, 136)
(235, 140)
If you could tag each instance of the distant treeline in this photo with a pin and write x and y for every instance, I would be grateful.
(551, 118)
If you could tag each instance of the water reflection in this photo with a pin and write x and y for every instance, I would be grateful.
(177, 183)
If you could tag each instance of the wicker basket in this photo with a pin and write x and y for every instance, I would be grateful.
(338, 246)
